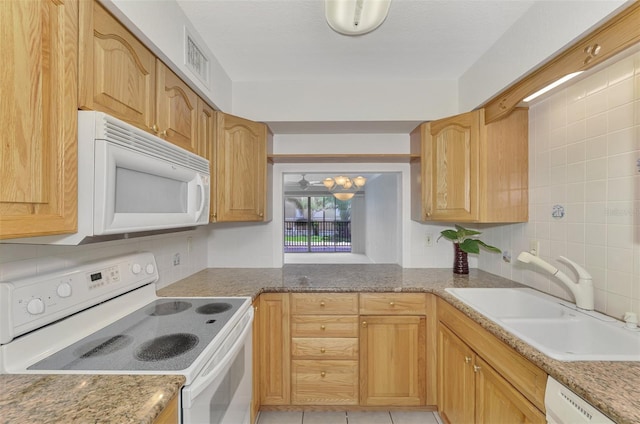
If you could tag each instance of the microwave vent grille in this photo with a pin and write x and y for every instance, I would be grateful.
(133, 138)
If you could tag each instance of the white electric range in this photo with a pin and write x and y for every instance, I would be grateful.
(104, 318)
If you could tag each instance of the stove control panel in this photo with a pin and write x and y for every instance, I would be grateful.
(30, 303)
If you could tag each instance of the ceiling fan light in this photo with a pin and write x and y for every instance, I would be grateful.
(360, 181)
(343, 196)
(328, 183)
(356, 17)
(341, 180)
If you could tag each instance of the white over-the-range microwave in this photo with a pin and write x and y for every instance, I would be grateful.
(132, 183)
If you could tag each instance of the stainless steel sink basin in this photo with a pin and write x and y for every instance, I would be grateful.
(553, 326)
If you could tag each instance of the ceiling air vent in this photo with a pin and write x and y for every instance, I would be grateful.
(195, 59)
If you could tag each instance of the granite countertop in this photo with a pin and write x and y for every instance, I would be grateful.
(612, 387)
(66, 398)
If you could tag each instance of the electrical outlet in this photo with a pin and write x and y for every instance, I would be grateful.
(429, 239)
(534, 247)
(176, 259)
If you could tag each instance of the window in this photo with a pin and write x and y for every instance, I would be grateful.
(316, 224)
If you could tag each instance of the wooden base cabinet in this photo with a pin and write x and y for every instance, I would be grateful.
(480, 380)
(393, 349)
(274, 350)
(470, 171)
(392, 360)
(324, 349)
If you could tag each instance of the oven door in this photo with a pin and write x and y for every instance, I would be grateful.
(221, 393)
(138, 192)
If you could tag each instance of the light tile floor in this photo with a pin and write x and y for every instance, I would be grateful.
(312, 417)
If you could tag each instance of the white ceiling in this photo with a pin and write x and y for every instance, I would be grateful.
(277, 40)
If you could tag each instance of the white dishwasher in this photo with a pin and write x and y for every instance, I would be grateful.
(565, 407)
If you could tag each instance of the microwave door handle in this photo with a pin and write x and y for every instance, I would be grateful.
(200, 185)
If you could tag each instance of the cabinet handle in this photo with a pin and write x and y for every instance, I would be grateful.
(154, 128)
(392, 304)
(322, 327)
(163, 133)
(364, 323)
(322, 303)
(467, 359)
(322, 350)
(261, 214)
(322, 374)
(476, 368)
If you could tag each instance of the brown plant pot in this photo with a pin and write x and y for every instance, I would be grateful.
(460, 260)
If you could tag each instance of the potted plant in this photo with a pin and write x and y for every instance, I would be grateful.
(464, 242)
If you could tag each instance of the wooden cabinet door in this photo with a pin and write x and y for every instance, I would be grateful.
(456, 384)
(176, 109)
(241, 169)
(499, 402)
(450, 164)
(392, 360)
(205, 148)
(117, 72)
(275, 350)
(39, 125)
(257, 353)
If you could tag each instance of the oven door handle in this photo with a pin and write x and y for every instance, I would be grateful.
(203, 380)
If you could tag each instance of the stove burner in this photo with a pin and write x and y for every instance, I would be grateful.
(103, 346)
(213, 308)
(169, 308)
(166, 347)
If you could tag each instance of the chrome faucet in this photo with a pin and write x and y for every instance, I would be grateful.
(582, 290)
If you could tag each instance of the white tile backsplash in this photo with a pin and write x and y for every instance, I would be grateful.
(584, 141)
(21, 260)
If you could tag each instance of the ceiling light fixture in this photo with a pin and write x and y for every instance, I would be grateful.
(344, 188)
(551, 86)
(355, 17)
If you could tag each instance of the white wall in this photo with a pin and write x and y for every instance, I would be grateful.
(160, 25)
(584, 155)
(260, 245)
(383, 219)
(356, 100)
(20, 260)
(546, 28)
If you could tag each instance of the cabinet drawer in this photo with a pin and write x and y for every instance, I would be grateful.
(324, 382)
(324, 326)
(393, 304)
(324, 348)
(324, 303)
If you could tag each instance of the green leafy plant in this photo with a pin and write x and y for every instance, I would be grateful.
(466, 240)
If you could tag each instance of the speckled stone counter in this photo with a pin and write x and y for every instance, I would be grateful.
(612, 387)
(85, 398)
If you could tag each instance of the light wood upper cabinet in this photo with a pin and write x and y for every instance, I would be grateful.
(176, 109)
(206, 132)
(469, 171)
(117, 72)
(38, 189)
(240, 156)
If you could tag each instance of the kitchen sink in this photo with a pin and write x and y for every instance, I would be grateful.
(555, 327)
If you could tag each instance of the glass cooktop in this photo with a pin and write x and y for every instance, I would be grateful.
(167, 334)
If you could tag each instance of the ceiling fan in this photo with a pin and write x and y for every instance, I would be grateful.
(305, 184)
